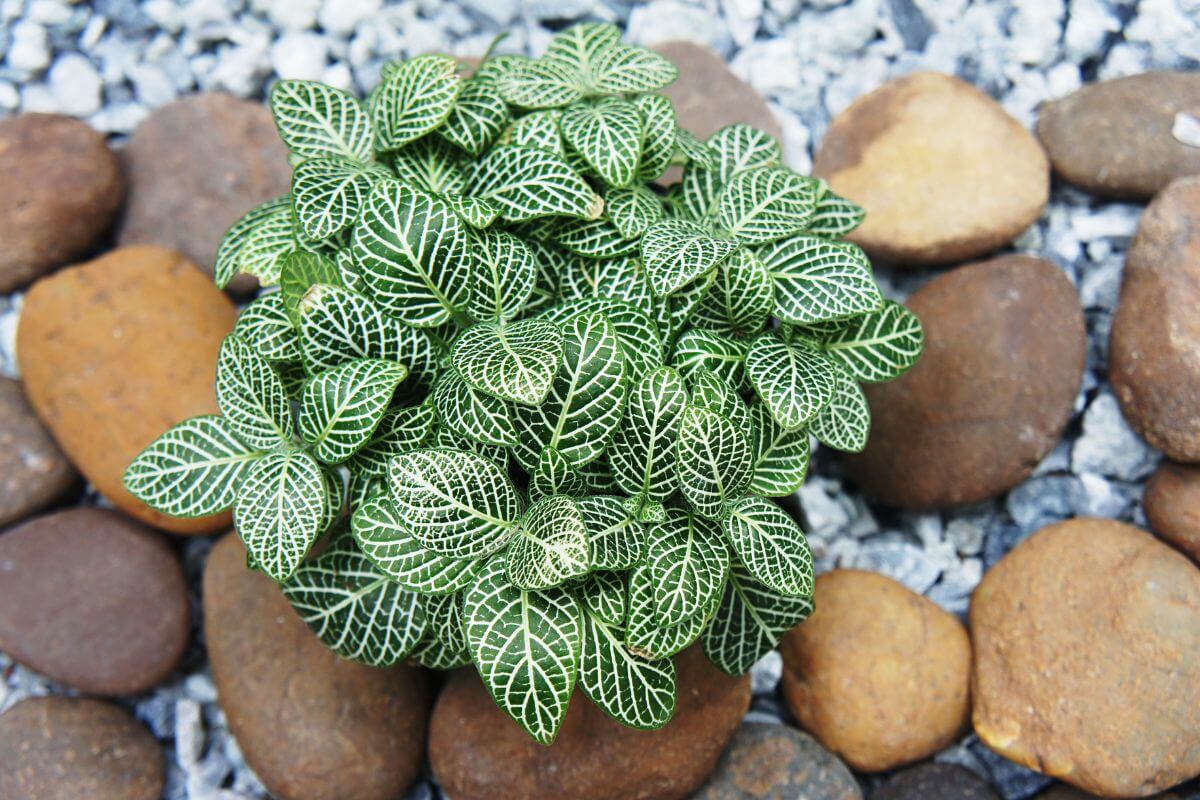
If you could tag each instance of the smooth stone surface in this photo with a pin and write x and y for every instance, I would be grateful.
(478, 753)
(775, 762)
(1004, 355)
(944, 173)
(33, 470)
(311, 725)
(1172, 504)
(935, 782)
(1085, 638)
(1154, 351)
(93, 600)
(197, 165)
(66, 748)
(117, 350)
(878, 674)
(1071, 793)
(62, 191)
(1114, 138)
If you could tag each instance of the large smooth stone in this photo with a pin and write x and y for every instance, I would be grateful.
(1114, 138)
(934, 782)
(944, 173)
(115, 351)
(1085, 639)
(878, 674)
(62, 191)
(1071, 793)
(71, 748)
(1172, 504)
(1154, 351)
(776, 762)
(1004, 354)
(33, 470)
(93, 600)
(478, 753)
(195, 166)
(311, 725)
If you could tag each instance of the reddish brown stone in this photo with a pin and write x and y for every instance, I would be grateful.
(33, 470)
(935, 782)
(1172, 504)
(778, 762)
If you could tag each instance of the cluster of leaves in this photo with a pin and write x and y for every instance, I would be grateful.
(533, 402)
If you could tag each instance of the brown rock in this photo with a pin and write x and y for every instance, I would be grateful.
(1153, 363)
(1085, 638)
(93, 600)
(1071, 793)
(477, 752)
(117, 350)
(312, 725)
(62, 191)
(944, 173)
(195, 166)
(1004, 355)
(68, 748)
(934, 782)
(878, 674)
(1172, 504)
(1114, 138)
(776, 762)
(33, 471)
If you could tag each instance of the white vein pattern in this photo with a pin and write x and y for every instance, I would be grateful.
(528, 182)
(551, 547)
(713, 459)
(794, 380)
(514, 360)
(765, 203)
(251, 396)
(688, 559)
(818, 280)
(771, 545)
(384, 538)
(642, 452)
(780, 457)
(315, 120)
(280, 506)
(615, 539)
(750, 621)
(341, 407)
(879, 346)
(414, 99)
(634, 691)
(845, 423)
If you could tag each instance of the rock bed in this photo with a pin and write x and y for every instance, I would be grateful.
(113, 62)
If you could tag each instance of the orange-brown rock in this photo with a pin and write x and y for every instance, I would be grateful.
(115, 351)
(1085, 638)
(878, 674)
(1172, 504)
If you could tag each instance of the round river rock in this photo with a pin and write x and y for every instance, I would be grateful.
(1004, 354)
(1172, 504)
(1085, 638)
(878, 674)
(33, 470)
(776, 762)
(934, 782)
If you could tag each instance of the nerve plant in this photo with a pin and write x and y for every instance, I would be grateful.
(534, 402)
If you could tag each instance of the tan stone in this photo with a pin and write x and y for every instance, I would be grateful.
(1172, 504)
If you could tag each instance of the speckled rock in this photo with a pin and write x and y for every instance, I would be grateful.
(1004, 354)
(311, 725)
(115, 351)
(68, 748)
(1084, 637)
(878, 674)
(1172, 504)
(33, 470)
(1153, 363)
(478, 753)
(934, 782)
(1114, 138)
(944, 173)
(1071, 793)
(775, 762)
(62, 191)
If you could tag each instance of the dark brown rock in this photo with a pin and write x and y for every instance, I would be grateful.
(1153, 362)
(1004, 355)
(93, 600)
(33, 471)
(775, 762)
(1172, 504)
(312, 725)
(929, 781)
(70, 748)
(1114, 138)
(477, 752)
(1071, 793)
(944, 173)
(62, 191)
(1085, 638)
(195, 166)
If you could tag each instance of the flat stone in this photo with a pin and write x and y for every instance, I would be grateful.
(1005, 345)
(33, 470)
(1172, 504)
(878, 674)
(1115, 138)
(1071, 793)
(72, 747)
(115, 351)
(62, 191)
(1083, 638)
(775, 762)
(940, 781)
(944, 173)
(1153, 363)
(478, 753)
(311, 725)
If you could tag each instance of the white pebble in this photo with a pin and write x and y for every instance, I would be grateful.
(1186, 129)
(343, 16)
(300, 55)
(48, 12)
(30, 49)
(743, 18)
(1108, 446)
(293, 15)
(667, 20)
(152, 86)
(9, 97)
(796, 139)
(501, 12)
(189, 731)
(76, 85)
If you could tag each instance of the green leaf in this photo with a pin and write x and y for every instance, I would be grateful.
(740, 147)
(879, 346)
(695, 151)
(780, 457)
(713, 460)
(555, 475)
(593, 239)
(676, 252)
(338, 325)
(336, 493)
(253, 244)
(764, 204)
(445, 643)
(315, 120)
(528, 182)
(688, 560)
(658, 135)
(608, 135)
(552, 546)
(328, 192)
(192, 470)
(699, 349)
(515, 360)
(623, 69)
(540, 83)
(356, 611)
(680, 308)
(741, 298)
(474, 211)
(400, 430)
(477, 118)
(447, 439)
(795, 380)
(632, 210)
(456, 504)
(698, 193)
(750, 621)
(642, 452)
(251, 396)
(597, 477)
(299, 271)
(504, 275)
(835, 216)
(636, 331)
(643, 635)
(603, 594)
(579, 47)
(632, 690)
(383, 537)
(537, 129)
(266, 327)
(619, 278)
(526, 646)
(415, 98)
(616, 539)
(280, 506)
(714, 394)
(817, 280)
(341, 407)
(845, 423)
(472, 413)
(432, 166)
(771, 545)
